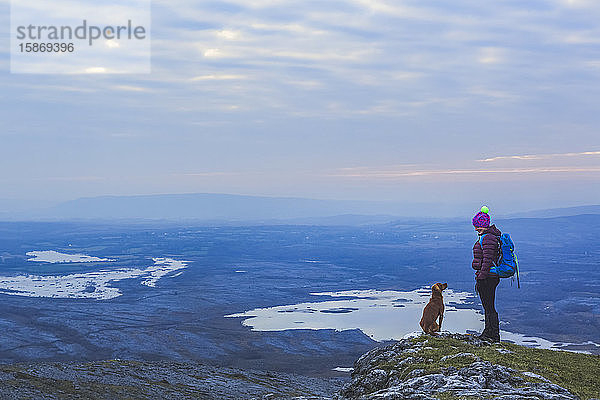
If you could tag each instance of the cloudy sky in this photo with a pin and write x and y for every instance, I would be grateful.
(463, 102)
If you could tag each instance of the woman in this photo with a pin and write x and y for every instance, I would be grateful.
(485, 255)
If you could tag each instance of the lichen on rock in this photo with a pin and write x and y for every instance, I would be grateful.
(452, 366)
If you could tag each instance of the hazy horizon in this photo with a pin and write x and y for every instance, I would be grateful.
(231, 207)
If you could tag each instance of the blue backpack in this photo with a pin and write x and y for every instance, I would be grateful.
(507, 264)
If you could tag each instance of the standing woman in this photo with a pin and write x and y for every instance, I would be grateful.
(485, 256)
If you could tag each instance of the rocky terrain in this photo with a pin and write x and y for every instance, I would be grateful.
(463, 367)
(446, 367)
(118, 379)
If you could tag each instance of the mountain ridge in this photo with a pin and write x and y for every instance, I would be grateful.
(219, 208)
(214, 206)
(557, 212)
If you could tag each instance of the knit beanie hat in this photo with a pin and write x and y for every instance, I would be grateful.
(482, 218)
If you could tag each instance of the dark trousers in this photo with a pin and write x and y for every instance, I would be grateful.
(487, 293)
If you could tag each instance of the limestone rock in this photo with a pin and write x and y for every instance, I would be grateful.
(394, 372)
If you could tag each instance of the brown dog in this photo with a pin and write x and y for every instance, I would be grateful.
(433, 310)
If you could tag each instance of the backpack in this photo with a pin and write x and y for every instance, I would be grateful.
(507, 264)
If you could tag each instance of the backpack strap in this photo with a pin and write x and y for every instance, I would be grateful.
(496, 261)
(480, 240)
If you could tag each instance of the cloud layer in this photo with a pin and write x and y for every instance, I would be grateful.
(276, 97)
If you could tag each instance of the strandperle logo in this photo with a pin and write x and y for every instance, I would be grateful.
(81, 32)
(82, 37)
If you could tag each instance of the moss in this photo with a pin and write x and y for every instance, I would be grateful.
(451, 396)
(67, 389)
(578, 373)
(388, 365)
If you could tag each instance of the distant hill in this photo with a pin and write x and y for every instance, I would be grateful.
(222, 207)
(225, 209)
(557, 212)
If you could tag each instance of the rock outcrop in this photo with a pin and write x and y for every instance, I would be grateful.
(453, 367)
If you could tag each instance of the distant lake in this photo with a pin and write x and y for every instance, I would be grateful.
(381, 315)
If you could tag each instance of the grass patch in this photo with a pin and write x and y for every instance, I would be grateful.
(578, 373)
(450, 396)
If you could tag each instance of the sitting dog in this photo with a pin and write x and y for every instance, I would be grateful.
(433, 310)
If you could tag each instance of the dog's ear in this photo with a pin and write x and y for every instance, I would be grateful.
(436, 288)
(444, 286)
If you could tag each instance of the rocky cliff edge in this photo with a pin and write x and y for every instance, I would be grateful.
(456, 366)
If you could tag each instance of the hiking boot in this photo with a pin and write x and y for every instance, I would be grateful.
(490, 339)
